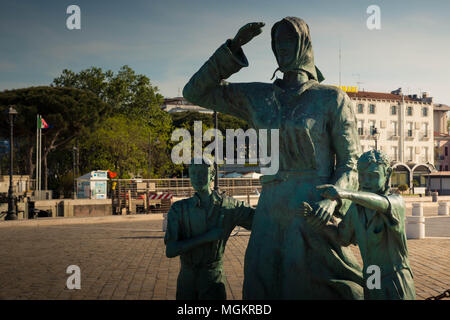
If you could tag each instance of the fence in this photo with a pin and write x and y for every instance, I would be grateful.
(156, 195)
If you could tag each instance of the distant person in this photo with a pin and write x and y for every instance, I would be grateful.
(376, 223)
(197, 230)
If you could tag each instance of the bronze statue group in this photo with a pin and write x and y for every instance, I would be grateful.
(325, 196)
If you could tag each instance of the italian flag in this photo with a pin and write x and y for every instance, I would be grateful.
(42, 124)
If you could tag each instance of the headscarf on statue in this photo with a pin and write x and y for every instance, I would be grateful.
(305, 56)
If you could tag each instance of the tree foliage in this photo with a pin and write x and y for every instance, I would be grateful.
(135, 115)
(125, 145)
(70, 112)
(125, 92)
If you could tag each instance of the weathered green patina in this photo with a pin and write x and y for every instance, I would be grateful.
(376, 223)
(286, 258)
(197, 230)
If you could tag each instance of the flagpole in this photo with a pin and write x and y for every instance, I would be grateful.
(40, 153)
(37, 154)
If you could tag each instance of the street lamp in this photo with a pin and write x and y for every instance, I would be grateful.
(375, 136)
(12, 214)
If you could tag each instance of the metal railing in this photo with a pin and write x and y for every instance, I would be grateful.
(134, 195)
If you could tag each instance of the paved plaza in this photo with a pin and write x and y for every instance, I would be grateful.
(125, 259)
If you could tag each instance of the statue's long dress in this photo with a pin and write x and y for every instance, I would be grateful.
(286, 258)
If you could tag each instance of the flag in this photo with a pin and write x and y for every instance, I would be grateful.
(112, 174)
(42, 124)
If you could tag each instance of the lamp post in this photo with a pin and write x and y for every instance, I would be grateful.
(12, 214)
(375, 135)
(75, 171)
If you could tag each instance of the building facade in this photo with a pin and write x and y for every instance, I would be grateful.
(402, 127)
(441, 138)
(180, 104)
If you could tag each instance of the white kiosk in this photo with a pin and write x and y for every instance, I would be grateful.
(93, 185)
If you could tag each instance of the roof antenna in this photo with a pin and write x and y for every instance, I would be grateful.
(358, 83)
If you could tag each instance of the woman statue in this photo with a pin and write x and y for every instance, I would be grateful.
(286, 257)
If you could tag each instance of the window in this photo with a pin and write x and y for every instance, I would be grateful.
(410, 154)
(360, 108)
(409, 111)
(394, 153)
(394, 128)
(425, 129)
(410, 129)
(446, 167)
(372, 126)
(361, 127)
(393, 110)
(371, 108)
(446, 151)
(425, 111)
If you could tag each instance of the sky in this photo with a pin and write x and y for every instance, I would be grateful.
(170, 40)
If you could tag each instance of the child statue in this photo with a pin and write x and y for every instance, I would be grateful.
(197, 230)
(376, 223)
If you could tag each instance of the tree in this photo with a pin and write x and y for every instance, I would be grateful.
(126, 92)
(70, 112)
(133, 96)
(122, 144)
(403, 187)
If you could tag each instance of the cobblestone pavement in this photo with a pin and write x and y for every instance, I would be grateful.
(126, 260)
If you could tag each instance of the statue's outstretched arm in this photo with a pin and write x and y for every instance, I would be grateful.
(368, 200)
(207, 87)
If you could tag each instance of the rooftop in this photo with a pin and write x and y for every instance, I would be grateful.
(394, 96)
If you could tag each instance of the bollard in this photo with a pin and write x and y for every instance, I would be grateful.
(443, 209)
(434, 196)
(415, 227)
(417, 209)
(164, 225)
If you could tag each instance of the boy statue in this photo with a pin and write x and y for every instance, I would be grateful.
(197, 230)
(376, 222)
